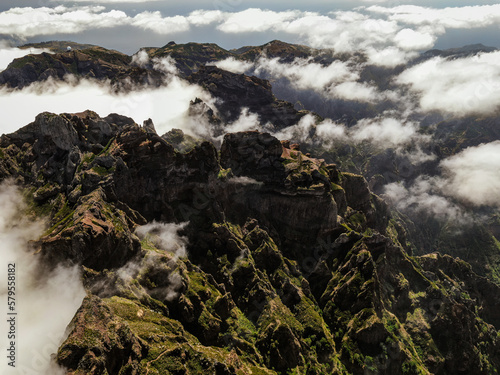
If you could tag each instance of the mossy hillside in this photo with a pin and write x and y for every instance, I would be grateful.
(101, 332)
(160, 344)
(267, 306)
(408, 335)
(304, 172)
(472, 242)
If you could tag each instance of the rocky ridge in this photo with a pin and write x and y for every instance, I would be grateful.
(292, 265)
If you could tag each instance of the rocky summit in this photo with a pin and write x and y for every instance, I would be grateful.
(282, 264)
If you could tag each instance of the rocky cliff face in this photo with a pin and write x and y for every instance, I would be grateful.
(292, 266)
(238, 91)
(94, 62)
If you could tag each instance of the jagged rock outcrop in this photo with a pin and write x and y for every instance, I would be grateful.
(285, 52)
(94, 62)
(237, 91)
(100, 342)
(255, 155)
(190, 57)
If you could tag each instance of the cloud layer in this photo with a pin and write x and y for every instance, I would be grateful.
(167, 106)
(459, 86)
(473, 175)
(470, 177)
(383, 132)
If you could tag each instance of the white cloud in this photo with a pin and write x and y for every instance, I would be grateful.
(412, 40)
(165, 237)
(155, 22)
(235, 66)
(167, 106)
(398, 31)
(205, 17)
(141, 58)
(473, 175)
(165, 65)
(384, 132)
(344, 34)
(337, 80)
(356, 91)
(304, 74)
(387, 131)
(245, 122)
(416, 155)
(300, 132)
(331, 132)
(8, 53)
(423, 196)
(29, 22)
(459, 86)
(466, 17)
(256, 20)
(388, 57)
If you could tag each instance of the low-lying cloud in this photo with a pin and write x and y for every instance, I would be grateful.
(382, 132)
(8, 53)
(235, 66)
(424, 196)
(45, 301)
(338, 80)
(473, 175)
(470, 177)
(167, 105)
(458, 86)
(164, 236)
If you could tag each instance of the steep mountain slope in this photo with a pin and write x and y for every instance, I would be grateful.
(280, 263)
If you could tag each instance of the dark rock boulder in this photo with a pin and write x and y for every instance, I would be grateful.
(255, 155)
(238, 91)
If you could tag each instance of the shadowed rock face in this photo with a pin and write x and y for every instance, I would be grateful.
(292, 265)
(255, 155)
(237, 91)
(94, 62)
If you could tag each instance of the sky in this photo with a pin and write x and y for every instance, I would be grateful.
(127, 25)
